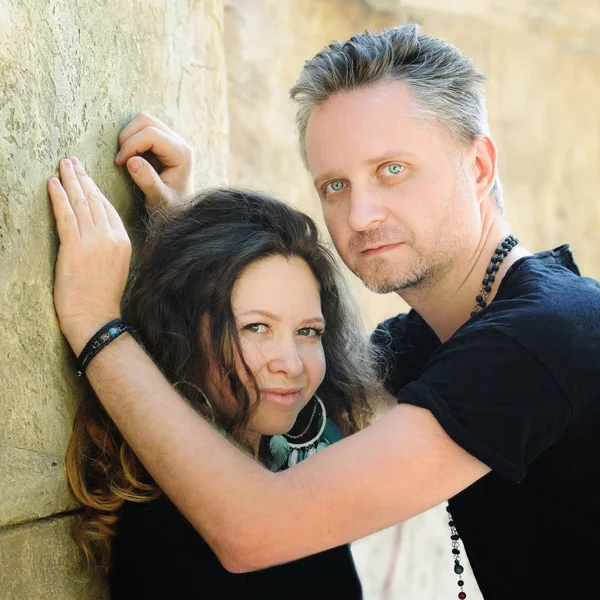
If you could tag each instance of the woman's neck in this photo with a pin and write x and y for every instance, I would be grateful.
(254, 439)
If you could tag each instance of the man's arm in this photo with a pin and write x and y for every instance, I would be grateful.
(397, 468)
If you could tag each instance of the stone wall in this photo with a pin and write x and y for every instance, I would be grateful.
(73, 73)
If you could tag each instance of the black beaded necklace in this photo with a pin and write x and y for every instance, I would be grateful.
(480, 302)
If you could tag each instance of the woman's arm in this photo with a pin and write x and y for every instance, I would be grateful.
(398, 467)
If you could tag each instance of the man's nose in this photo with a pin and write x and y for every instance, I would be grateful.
(365, 210)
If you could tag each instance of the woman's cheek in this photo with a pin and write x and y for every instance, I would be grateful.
(316, 364)
(254, 355)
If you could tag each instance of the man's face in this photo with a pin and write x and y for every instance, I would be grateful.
(398, 196)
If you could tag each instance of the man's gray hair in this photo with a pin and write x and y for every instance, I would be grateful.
(447, 85)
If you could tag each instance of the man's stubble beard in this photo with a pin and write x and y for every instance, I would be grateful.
(422, 270)
(378, 276)
(377, 273)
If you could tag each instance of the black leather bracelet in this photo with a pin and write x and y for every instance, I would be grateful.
(104, 336)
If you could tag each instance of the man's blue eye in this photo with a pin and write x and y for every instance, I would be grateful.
(394, 169)
(334, 186)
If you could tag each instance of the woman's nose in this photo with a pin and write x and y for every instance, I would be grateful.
(285, 358)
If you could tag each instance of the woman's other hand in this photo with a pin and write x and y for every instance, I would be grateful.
(173, 179)
(93, 258)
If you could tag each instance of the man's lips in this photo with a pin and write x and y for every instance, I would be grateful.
(380, 248)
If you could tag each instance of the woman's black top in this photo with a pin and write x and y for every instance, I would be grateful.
(158, 554)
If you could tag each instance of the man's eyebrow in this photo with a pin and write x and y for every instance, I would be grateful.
(319, 180)
(387, 156)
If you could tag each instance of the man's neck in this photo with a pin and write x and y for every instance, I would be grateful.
(447, 303)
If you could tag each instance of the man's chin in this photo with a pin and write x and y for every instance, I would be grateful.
(380, 287)
(393, 283)
(386, 275)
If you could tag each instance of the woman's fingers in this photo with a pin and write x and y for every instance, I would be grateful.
(66, 221)
(93, 196)
(141, 121)
(170, 150)
(104, 213)
(113, 217)
(148, 180)
(79, 202)
(79, 207)
(168, 182)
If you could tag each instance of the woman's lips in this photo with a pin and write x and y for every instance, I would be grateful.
(282, 397)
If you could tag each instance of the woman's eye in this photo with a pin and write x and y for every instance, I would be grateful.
(334, 187)
(256, 327)
(310, 332)
(393, 169)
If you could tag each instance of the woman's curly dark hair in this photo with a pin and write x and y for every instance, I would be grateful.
(184, 275)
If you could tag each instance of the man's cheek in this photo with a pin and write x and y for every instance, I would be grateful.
(336, 231)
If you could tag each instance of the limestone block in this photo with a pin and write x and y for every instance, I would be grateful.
(580, 17)
(72, 74)
(38, 562)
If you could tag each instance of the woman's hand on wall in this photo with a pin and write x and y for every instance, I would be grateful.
(93, 257)
(171, 177)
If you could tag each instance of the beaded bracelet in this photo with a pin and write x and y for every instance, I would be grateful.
(104, 336)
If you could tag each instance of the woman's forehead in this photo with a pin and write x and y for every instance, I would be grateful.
(280, 286)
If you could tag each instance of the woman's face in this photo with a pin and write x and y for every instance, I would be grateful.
(277, 307)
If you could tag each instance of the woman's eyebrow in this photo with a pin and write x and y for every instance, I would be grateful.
(264, 313)
(273, 317)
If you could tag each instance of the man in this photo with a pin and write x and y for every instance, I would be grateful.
(498, 399)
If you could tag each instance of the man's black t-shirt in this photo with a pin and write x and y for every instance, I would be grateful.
(518, 387)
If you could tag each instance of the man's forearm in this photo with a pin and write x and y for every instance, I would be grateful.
(398, 467)
(215, 485)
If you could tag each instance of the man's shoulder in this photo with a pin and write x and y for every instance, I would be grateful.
(403, 331)
(548, 275)
(555, 326)
(544, 293)
(404, 345)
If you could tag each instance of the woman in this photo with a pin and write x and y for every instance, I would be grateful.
(241, 306)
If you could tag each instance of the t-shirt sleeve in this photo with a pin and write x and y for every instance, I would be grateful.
(493, 398)
(404, 344)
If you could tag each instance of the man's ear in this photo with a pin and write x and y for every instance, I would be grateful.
(484, 165)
